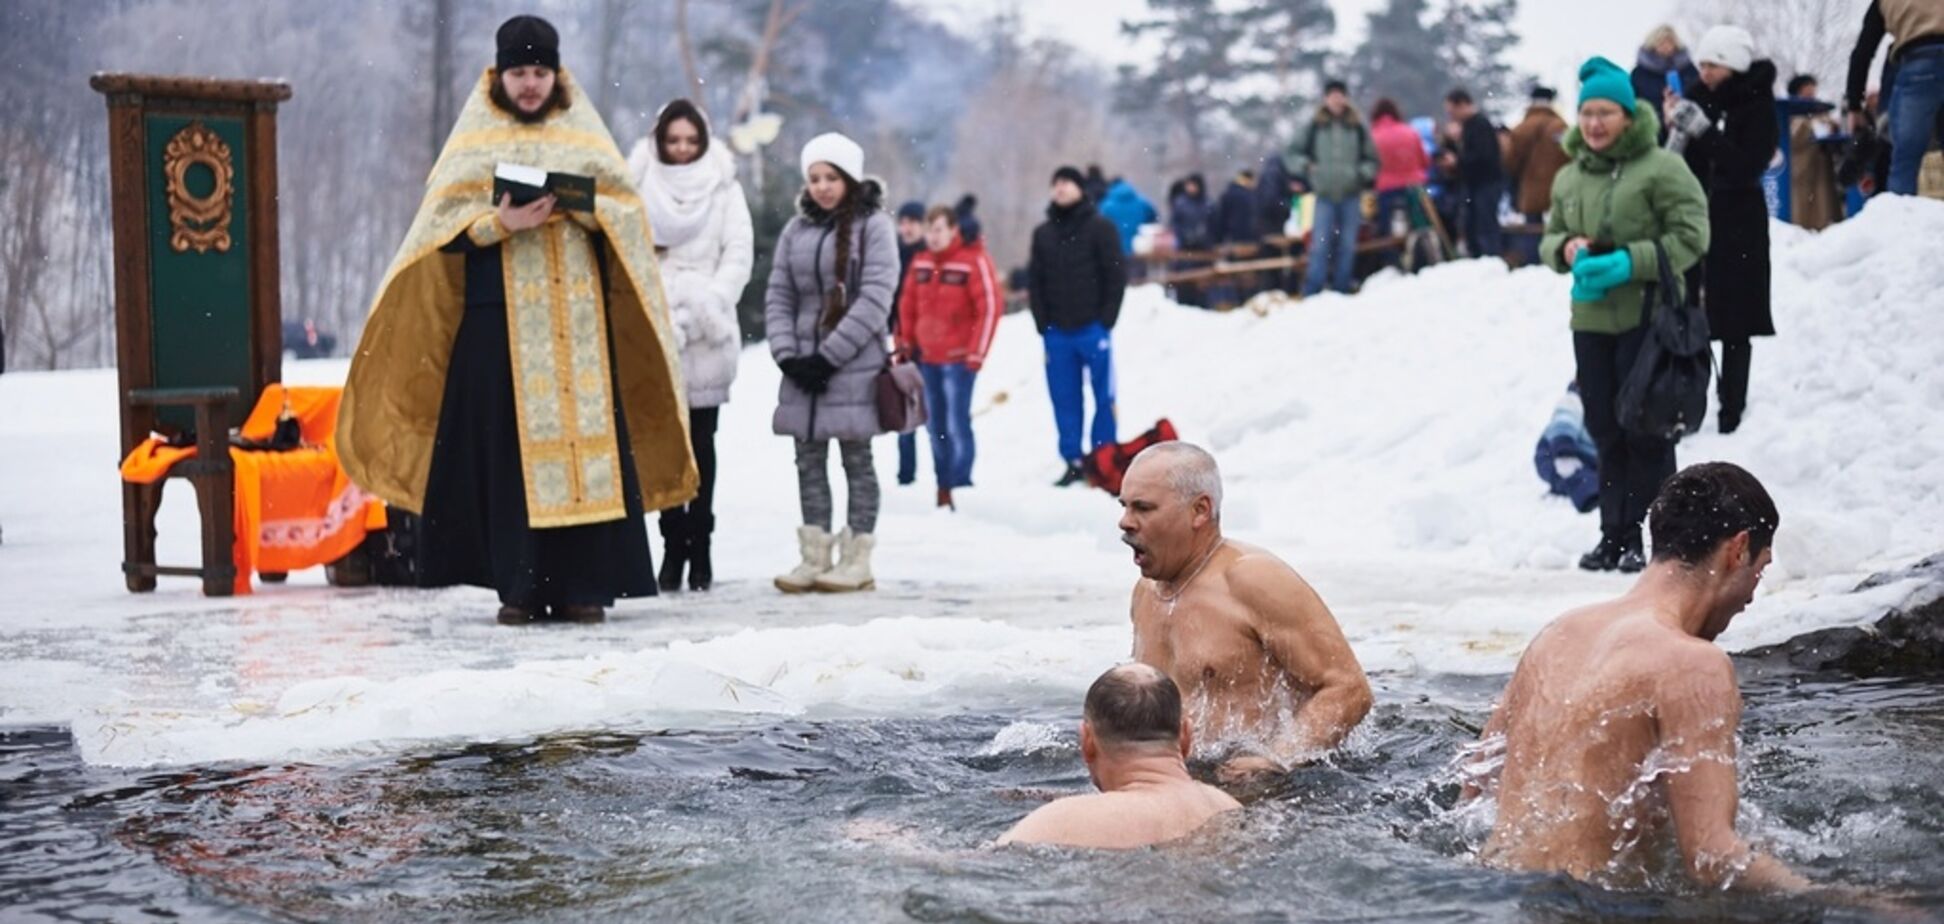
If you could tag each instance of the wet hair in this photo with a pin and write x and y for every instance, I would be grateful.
(556, 101)
(1703, 506)
(946, 212)
(1799, 81)
(1134, 704)
(1386, 107)
(1192, 472)
(680, 110)
(1459, 97)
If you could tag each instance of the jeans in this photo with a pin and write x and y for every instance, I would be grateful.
(908, 457)
(1529, 243)
(1391, 203)
(1333, 244)
(1915, 104)
(948, 411)
(1632, 465)
(1484, 236)
(1072, 359)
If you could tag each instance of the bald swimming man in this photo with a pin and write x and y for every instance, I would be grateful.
(1618, 727)
(1135, 743)
(1264, 670)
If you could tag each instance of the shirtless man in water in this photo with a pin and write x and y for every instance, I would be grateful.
(1136, 744)
(1620, 720)
(1261, 663)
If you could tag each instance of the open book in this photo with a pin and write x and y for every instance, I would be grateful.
(525, 184)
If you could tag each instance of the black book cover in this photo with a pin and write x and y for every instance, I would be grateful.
(571, 191)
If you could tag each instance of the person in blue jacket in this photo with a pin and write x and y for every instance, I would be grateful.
(1567, 460)
(1125, 207)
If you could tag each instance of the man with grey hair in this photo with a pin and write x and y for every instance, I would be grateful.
(1267, 676)
(1135, 743)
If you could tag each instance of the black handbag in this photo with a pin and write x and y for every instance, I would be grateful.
(1665, 394)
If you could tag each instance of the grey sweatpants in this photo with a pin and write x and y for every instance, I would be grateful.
(813, 483)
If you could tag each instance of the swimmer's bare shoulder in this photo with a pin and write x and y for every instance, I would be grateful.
(1115, 820)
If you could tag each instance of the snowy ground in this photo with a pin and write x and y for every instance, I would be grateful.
(1382, 443)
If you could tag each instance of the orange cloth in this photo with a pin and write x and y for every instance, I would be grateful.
(294, 509)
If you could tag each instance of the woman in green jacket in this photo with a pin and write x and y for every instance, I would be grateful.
(1620, 196)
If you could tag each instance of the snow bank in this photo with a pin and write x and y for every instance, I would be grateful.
(1382, 443)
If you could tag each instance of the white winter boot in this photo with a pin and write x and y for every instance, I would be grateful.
(816, 543)
(853, 571)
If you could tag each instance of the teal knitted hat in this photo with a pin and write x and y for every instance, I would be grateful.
(1603, 79)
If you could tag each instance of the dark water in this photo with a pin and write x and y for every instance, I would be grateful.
(883, 820)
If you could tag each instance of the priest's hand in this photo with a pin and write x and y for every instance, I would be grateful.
(517, 218)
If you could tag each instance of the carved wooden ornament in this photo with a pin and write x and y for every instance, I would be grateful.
(198, 222)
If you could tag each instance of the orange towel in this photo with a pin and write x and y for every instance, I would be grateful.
(294, 509)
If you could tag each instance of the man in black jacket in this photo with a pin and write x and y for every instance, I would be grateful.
(911, 240)
(1481, 175)
(1076, 279)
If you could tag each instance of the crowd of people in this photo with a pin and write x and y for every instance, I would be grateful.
(530, 471)
(534, 379)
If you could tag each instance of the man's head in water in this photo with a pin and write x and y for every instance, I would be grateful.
(1133, 713)
(526, 81)
(1171, 508)
(1716, 524)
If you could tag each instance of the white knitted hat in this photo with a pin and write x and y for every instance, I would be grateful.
(836, 150)
(1729, 46)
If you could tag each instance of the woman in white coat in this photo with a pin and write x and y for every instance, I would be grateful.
(706, 244)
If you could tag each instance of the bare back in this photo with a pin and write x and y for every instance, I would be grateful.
(1128, 818)
(1590, 723)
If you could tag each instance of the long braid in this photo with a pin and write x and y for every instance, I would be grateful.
(837, 297)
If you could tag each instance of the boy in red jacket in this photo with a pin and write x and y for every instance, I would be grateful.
(946, 318)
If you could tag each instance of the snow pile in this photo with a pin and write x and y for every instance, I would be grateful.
(1382, 443)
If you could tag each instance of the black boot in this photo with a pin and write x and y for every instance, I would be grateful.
(675, 548)
(1604, 557)
(1633, 556)
(1073, 475)
(701, 571)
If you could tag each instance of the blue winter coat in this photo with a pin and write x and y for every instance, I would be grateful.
(1238, 217)
(1128, 211)
(1189, 221)
(1566, 458)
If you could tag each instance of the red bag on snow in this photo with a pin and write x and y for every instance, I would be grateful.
(1107, 465)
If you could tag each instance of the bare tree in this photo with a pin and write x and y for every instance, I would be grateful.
(1009, 169)
(1802, 36)
(686, 44)
(444, 107)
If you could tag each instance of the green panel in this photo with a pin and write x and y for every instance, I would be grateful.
(201, 300)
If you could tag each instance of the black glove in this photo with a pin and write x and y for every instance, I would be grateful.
(815, 373)
(811, 373)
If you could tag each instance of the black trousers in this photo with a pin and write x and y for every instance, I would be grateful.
(474, 528)
(698, 515)
(1632, 466)
(1732, 388)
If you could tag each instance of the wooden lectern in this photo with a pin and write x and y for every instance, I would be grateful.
(198, 321)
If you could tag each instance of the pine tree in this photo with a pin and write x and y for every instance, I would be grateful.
(1401, 58)
(1200, 44)
(1289, 58)
(1474, 38)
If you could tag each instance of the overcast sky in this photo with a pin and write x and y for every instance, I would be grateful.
(1558, 34)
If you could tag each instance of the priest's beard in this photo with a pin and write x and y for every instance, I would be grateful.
(557, 100)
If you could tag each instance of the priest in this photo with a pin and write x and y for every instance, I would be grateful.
(517, 383)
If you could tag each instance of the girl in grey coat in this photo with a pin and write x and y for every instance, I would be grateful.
(826, 329)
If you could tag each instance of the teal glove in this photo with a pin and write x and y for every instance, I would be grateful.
(1594, 275)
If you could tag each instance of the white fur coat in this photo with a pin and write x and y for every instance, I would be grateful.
(704, 276)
